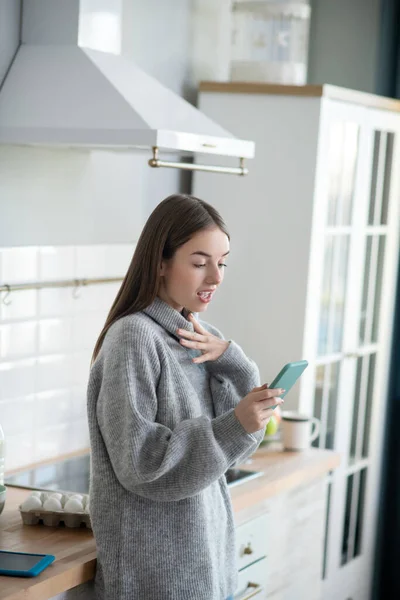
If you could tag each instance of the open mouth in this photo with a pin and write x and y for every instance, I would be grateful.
(205, 296)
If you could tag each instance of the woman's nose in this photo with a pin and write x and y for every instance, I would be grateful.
(215, 277)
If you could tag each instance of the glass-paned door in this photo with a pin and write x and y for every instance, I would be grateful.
(342, 142)
(371, 339)
(362, 352)
(359, 197)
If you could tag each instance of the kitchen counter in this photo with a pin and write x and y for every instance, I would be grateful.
(75, 551)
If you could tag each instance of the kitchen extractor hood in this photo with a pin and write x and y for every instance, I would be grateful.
(58, 92)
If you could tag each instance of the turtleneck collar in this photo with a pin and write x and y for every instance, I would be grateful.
(169, 317)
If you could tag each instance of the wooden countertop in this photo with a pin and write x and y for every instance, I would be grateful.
(325, 90)
(75, 550)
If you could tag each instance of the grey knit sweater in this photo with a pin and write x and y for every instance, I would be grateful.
(163, 432)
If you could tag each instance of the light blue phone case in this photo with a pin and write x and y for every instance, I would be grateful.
(16, 567)
(288, 376)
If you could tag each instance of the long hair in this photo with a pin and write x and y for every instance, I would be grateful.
(171, 224)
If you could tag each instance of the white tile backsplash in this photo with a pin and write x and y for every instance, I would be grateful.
(15, 414)
(20, 449)
(55, 302)
(86, 329)
(55, 335)
(117, 260)
(79, 434)
(22, 305)
(18, 340)
(78, 403)
(47, 338)
(52, 441)
(56, 262)
(53, 372)
(80, 366)
(17, 378)
(19, 264)
(90, 261)
(103, 261)
(100, 296)
(51, 408)
(59, 439)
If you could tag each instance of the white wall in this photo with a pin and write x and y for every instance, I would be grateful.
(156, 35)
(54, 196)
(67, 214)
(50, 196)
(344, 43)
(69, 196)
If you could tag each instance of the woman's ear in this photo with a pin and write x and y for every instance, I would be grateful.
(162, 268)
(165, 264)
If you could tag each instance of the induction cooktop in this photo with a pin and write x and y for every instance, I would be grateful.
(72, 475)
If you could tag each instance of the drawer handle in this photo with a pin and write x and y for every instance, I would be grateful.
(248, 549)
(258, 588)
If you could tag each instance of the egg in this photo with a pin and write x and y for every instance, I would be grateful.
(52, 504)
(56, 495)
(31, 503)
(37, 494)
(77, 496)
(73, 505)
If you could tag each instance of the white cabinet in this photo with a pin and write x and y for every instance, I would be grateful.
(312, 272)
(252, 581)
(280, 552)
(251, 540)
(251, 549)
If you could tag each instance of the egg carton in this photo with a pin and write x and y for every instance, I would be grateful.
(55, 518)
(53, 515)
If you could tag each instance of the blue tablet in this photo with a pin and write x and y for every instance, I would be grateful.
(23, 564)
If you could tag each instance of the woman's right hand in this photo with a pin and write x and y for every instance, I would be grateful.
(254, 410)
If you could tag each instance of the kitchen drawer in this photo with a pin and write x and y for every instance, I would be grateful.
(251, 540)
(252, 581)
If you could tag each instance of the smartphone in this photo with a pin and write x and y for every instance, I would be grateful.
(23, 564)
(288, 376)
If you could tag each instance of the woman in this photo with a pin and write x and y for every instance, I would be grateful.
(171, 406)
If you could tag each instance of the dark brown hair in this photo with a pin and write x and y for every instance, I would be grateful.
(171, 224)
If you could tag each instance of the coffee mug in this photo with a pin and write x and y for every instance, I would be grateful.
(298, 430)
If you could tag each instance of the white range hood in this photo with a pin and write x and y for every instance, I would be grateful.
(58, 92)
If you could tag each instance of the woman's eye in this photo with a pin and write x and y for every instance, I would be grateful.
(221, 265)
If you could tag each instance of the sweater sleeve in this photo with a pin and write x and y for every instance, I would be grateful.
(242, 375)
(149, 458)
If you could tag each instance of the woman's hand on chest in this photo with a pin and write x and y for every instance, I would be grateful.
(210, 345)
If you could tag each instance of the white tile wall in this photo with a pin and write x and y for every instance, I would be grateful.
(46, 341)
(64, 197)
(56, 263)
(19, 264)
(22, 307)
(18, 340)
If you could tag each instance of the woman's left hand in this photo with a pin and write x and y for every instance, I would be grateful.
(210, 345)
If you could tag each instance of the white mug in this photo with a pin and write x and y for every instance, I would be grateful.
(298, 430)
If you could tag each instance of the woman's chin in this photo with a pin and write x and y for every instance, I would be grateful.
(197, 307)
